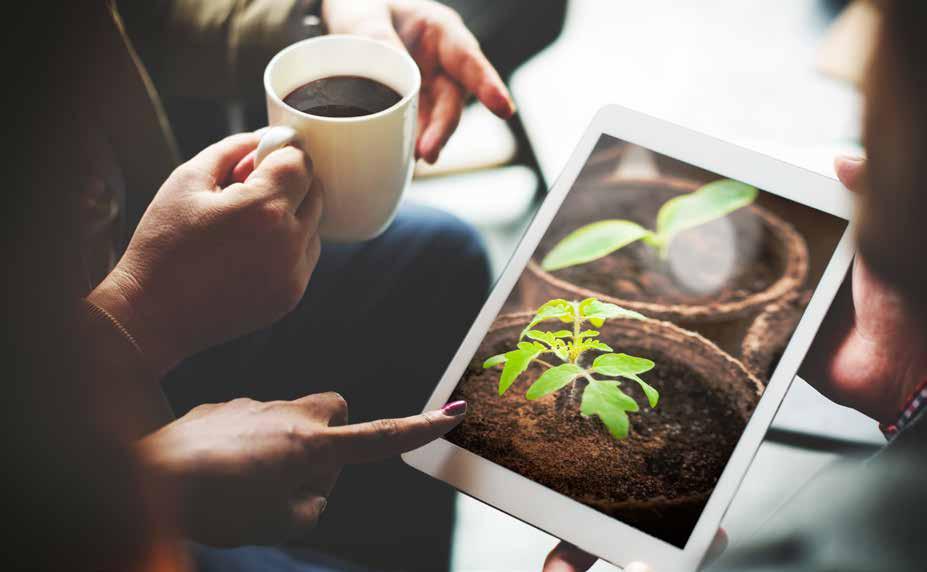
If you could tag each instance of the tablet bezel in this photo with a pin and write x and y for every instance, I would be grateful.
(561, 516)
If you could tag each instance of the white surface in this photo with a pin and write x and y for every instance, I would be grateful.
(481, 141)
(572, 521)
(737, 70)
(491, 197)
(804, 410)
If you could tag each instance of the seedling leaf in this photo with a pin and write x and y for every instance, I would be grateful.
(549, 338)
(597, 345)
(553, 380)
(606, 401)
(621, 364)
(597, 312)
(592, 242)
(712, 201)
(516, 362)
(528, 346)
(653, 396)
(602, 397)
(554, 309)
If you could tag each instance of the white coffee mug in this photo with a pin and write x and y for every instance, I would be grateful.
(365, 162)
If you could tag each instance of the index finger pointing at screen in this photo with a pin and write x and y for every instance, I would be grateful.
(385, 438)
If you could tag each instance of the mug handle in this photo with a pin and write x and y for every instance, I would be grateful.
(273, 138)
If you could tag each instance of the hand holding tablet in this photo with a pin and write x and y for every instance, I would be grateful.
(613, 401)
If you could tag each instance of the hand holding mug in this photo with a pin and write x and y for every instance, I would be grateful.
(419, 49)
(213, 259)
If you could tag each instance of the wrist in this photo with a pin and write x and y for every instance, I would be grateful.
(121, 298)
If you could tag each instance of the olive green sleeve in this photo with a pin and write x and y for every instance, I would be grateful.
(213, 48)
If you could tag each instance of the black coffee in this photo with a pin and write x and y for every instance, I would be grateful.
(342, 96)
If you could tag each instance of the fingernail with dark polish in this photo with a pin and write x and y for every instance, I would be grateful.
(455, 408)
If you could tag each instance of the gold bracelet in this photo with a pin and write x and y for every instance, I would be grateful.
(119, 327)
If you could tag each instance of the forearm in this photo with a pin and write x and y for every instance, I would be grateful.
(115, 365)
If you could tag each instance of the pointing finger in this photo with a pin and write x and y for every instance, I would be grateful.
(385, 438)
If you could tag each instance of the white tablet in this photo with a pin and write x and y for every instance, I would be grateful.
(625, 368)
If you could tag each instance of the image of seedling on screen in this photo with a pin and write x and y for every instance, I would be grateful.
(599, 382)
(598, 239)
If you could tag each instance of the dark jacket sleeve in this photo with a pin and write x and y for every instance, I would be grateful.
(855, 517)
(211, 48)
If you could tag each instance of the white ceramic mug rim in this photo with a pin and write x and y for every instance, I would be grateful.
(416, 74)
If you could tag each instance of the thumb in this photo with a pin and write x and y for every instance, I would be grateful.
(217, 161)
(385, 438)
(305, 513)
(850, 171)
(567, 558)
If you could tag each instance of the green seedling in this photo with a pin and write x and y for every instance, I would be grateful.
(593, 241)
(601, 397)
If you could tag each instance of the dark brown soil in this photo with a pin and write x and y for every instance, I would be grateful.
(636, 272)
(657, 479)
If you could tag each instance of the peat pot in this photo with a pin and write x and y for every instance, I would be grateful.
(660, 476)
(766, 338)
(716, 278)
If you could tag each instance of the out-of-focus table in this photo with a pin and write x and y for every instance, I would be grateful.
(740, 71)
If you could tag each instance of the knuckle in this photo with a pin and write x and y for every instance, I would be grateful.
(338, 403)
(272, 213)
(291, 169)
(185, 174)
(386, 428)
(242, 402)
(446, 14)
(203, 408)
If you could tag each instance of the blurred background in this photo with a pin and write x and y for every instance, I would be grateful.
(778, 77)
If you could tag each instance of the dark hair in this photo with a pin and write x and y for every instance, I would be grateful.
(893, 207)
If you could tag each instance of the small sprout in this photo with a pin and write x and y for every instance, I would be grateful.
(593, 241)
(601, 398)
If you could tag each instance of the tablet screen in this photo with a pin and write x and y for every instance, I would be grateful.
(626, 362)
